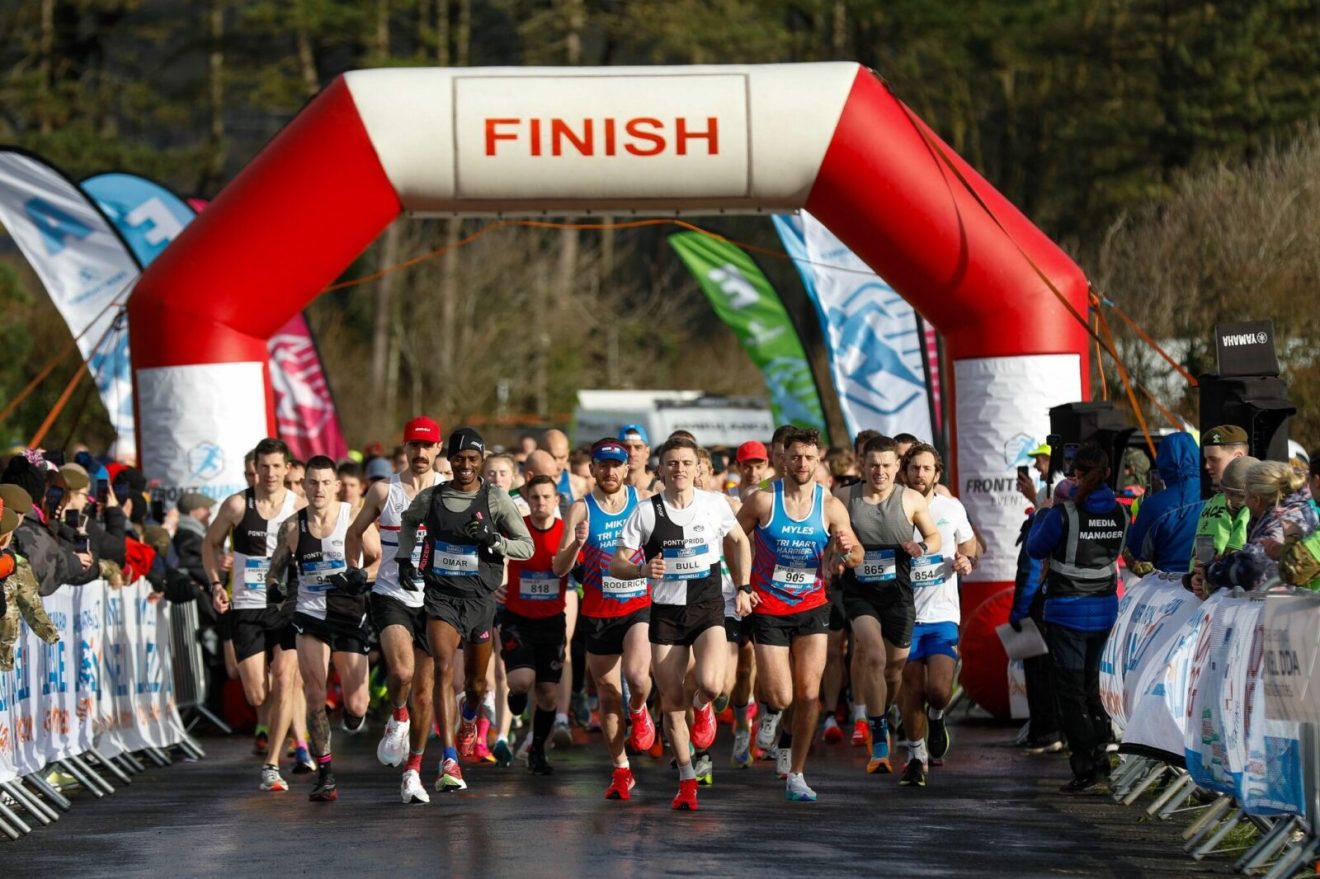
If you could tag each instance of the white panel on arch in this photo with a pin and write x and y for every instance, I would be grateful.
(1003, 411)
(215, 414)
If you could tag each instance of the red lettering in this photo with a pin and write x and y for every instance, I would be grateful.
(634, 130)
(493, 135)
(560, 131)
(711, 135)
(609, 135)
(536, 137)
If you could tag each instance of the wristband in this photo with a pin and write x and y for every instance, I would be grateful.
(746, 588)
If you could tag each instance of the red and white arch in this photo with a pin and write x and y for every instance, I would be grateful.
(829, 138)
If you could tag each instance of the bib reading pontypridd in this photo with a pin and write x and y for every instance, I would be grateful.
(254, 573)
(316, 575)
(878, 566)
(688, 562)
(455, 561)
(793, 580)
(538, 585)
(928, 570)
(622, 589)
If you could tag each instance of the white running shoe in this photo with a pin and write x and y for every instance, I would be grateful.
(742, 749)
(784, 762)
(393, 747)
(767, 730)
(271, 780)
(796, 790)
(411, 789)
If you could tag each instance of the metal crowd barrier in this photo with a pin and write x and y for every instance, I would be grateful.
(190, 681)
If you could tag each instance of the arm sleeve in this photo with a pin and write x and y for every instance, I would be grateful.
(517, 542)
(411, 518)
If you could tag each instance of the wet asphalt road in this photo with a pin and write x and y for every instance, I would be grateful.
(989, 811)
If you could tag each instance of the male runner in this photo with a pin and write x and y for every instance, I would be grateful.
(753, 463)
(928, 675)
(877, 594)
(616, 611)
(794, 522)
(471, 528)
(679, 533)
(260, 619)
(532, 628)
(331, 613)
(396, 607)
(638, 444)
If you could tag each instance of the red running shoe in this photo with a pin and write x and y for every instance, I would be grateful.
(467, 739)
(861, 737)
(703, 727)
(621, 785)
(686, 801)
(833, 735)
(642, 735)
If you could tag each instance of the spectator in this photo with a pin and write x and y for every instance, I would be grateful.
(1081, 533)
(1280, 505)
(1165, 526)
(1219, 446)
(378, 469)
(194, 518)
(53, 563)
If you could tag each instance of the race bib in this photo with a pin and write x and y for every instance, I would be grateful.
(418, 542)
(538, 585)
(793, 580)
(454, 561)
(254, 574)
(622, 589)
(316, 575)
(928, 570)
(688, 562)
(878, 566)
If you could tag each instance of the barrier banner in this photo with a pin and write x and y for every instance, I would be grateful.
(1214, 738)
(1150, 616)
(58, 706)
(1157, 718)
(85, 269)
(747, 302)
(1292, 657)
(871, 333)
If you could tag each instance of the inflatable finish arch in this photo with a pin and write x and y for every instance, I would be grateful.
(828, 138)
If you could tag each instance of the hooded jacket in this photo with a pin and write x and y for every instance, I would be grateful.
(1165, 526)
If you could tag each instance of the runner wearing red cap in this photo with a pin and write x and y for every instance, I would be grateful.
(616, 611)
(753, 462)
(396, 608)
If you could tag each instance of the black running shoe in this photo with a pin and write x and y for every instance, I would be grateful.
(937, 738)
(914, 774)
(1082, 784)
(326, 790)
(538, 764)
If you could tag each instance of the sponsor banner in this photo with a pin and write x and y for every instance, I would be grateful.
(1002, 411)
(147, 215)
(871, 334)
(105, 683)
(1291, 660)
(1214, 743)
(1157, 716)
(84, 268)
(1150, 616)
(204, 453)
(305, 413)
(744, 298)
(536, 137)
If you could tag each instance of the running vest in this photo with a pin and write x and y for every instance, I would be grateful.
(534, 590)
(451, 562)
(254, 540)
(604, 596)
(1085, 561)
(786, 566)
(882, 529)
(692, 557)
(318, 559)
(387, 575)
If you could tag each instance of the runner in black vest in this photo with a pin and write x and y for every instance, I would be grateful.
(471, 528)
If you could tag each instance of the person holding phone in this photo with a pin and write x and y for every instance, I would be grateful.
(37, 538)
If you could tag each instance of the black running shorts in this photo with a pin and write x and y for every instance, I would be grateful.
(472, 616)
(603, 636)
(681, 625)
(773, 630)
(388, 611)
(537, 644)
(260, 631)
(339, 639)
(892, 606)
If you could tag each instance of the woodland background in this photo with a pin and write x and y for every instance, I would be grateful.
(1171, 147)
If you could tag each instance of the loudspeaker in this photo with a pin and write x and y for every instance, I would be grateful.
(1258, 404)
(1076, 423)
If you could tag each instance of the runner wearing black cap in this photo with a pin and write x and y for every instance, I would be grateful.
(616, 612)
(396, 607)
(471, 529)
